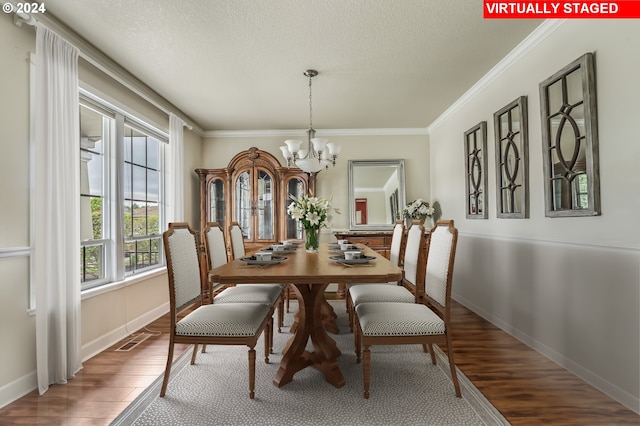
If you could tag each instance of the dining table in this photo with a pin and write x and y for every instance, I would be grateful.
(310, 274)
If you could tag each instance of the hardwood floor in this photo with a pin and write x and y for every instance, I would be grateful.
(524, 386)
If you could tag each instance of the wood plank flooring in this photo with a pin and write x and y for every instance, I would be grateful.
(524, 386)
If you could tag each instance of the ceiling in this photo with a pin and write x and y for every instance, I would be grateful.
(238, 64)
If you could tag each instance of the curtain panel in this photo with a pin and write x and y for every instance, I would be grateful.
(175, 170)
(56, 253)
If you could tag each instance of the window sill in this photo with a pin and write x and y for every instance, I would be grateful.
(97, 291)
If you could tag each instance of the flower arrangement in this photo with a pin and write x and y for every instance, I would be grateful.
(312, 213)
(418, 209)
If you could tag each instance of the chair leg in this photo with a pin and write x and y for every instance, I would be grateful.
(356, 343)
(167, 370)
(366, 370)
(267, 344)
(452, 366)
(204, 348)
(287, 297)
(281, 312)
(193, 355)
(252, 373)
(350, 312)
(270, 326)
(433, 354)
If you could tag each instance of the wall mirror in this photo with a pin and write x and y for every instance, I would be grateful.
(512, 160)
(475, 151)
(376, 193)
(570, 140)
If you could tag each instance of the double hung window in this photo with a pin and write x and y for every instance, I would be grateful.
(121, 195)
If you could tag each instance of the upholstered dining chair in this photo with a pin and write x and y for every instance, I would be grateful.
(237, 252)
(397, 243)
(405, 289)
(425, 322)
(216, 254)
(209, 324)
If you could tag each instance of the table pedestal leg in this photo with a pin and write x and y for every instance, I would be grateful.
(310, 325)
(328, 319)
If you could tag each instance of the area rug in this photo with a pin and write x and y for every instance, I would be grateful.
(406, 389)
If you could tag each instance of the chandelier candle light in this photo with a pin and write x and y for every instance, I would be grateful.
(312, 213)
(319, 153)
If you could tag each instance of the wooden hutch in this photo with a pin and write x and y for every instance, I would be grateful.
(253, 190)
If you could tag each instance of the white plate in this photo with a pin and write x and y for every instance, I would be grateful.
(363, 259)
(251, 260)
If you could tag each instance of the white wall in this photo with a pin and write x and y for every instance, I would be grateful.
(107, 316)
(217, 151)
(17, 329)
(569, 287)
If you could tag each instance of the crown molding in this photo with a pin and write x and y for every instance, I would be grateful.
(325, 132)
(536, 37)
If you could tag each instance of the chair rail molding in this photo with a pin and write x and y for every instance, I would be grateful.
(9, 252)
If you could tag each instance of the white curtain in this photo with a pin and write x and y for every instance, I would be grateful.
(56, 254)
(175, 172)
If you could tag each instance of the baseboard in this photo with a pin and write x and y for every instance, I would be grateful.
(18, 388)
(29, 382)
(604, 386)
(104, 342)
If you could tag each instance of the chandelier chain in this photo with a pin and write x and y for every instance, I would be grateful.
(310, 105)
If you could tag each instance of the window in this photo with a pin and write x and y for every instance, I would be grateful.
(142, 236)
(94, 137)
(121, 195)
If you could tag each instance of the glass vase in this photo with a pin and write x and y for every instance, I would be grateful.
(312, 239)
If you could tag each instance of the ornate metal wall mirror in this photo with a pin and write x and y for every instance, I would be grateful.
(475, 149)
(570, 140)
(512, 160)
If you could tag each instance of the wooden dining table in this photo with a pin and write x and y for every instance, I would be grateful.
(310, 274)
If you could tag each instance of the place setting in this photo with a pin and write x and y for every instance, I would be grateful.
(263, 258)
(342, 246)
(353, 257)
(285, 247)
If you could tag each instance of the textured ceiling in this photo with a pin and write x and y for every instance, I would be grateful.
(238, 64)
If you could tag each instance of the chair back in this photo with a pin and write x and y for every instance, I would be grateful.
(183, 265)
(215, 245)
(396, 243)
(441, 252)
(237, 241)
(414, 255)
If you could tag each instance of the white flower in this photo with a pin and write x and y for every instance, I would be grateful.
(311, 212)
(418, 209)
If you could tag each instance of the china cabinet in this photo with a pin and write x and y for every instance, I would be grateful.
(253, 190)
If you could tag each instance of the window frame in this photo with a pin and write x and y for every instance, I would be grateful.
(114, 197)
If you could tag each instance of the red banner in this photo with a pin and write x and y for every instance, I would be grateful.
(589, 9)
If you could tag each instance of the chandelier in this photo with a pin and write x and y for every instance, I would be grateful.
(319, 153)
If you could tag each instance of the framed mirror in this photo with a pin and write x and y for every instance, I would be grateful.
(475, 154)
(376, 193)
(570, 140)
(512, 160)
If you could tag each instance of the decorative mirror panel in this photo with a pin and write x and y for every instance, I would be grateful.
(475, 149)
(570, 140)
(512, 160)
(217, 201)
(295, 187)
(376, 193)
